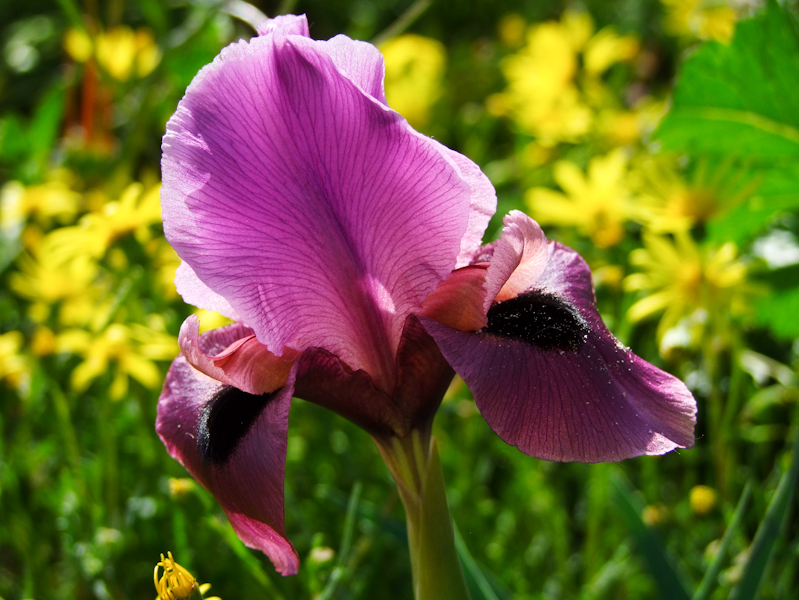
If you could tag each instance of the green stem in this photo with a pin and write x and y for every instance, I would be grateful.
(416, 467)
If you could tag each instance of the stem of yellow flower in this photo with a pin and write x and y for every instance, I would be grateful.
(414, 463)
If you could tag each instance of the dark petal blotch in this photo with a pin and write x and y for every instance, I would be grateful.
(540, 319)
(225, 420)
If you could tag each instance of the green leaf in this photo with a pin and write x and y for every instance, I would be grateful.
(46, 122)
(777, 191)
(741, 102)
(778, 311)
(768, 532)
(741, 99)
(666, 578)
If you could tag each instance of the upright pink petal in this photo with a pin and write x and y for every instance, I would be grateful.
(306, 203)
(459, 300)
(550, 379)
(360, 62)
(519, 258)
(482, 205)
(234, 444)
(286, 25)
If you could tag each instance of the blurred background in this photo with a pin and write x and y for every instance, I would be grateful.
(659, 138)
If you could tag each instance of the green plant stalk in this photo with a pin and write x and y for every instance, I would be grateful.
(415, 465)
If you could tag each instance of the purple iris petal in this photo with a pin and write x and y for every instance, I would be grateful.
(550, 378)
(303, 206)
(518, 258)
(287, 24)
(195, 292)
(233, 443)
(313, 209)
(360, 62)
(244, 362)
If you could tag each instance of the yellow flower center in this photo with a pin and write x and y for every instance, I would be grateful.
(176, 583)
(699, 204)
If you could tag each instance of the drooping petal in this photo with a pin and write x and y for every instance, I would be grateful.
(234, 444)
(550, 378)
(310, 206)
(235, 357)
(519, 257)
(195, 292)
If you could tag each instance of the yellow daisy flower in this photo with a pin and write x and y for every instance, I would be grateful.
(667, 201)
(120, 51)
(73, 285)
(52, 199)
(679, 278)
(176, 583)
(135, 211)
(14, 367)
(134, 348)
(595, 202)
(548, 95)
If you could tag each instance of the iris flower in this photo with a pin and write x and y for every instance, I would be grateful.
(347, 248)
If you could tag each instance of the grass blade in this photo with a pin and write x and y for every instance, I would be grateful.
(709, 580)
(346, 543)
(668, 582)
(474, 575)
(768, 532)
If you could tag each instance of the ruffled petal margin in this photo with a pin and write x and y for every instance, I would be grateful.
(234, 444)
(235, 357)
(519, 258)
(550, 378)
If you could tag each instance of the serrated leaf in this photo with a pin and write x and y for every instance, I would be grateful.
(777, 192)
(741, 102)
(741, 99)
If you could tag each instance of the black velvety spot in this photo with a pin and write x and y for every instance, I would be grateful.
(540, 319)
(225, 421)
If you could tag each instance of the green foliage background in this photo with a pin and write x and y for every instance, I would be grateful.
(89, 498)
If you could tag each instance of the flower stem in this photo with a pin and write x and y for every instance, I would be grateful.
(416, 467)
